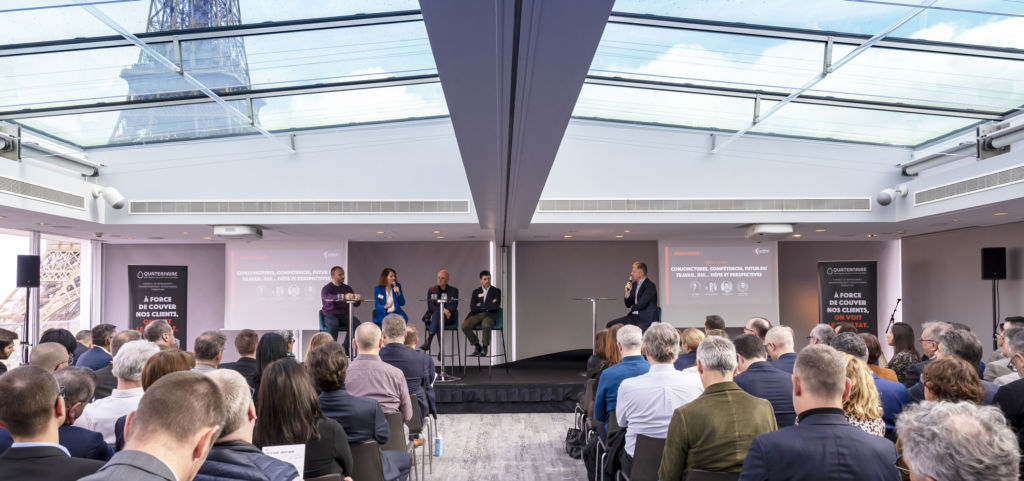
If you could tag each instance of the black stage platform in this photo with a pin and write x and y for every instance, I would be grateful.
(545, 384)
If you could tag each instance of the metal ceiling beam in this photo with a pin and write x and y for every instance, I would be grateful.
(803, 99)
(235, 95)
(211, 33)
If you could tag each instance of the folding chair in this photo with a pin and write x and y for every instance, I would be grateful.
(368, 465)
(646, 459)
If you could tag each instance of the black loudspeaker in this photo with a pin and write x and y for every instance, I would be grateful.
(993, 263)
(28, 271)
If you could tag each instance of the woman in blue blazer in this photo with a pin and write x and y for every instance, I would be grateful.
(388, 297)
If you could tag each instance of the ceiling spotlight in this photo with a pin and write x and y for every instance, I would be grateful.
(886, 196)
(627, 231)
(439, 237)
(42, 223)
(797, 236)
(619, 236)
(184, 233)
(567, 236)
(819, 230)
(437, 232)
(1001, 213)
(872, 236)
(207, 238)
(113, 196)
(389, 237)
(380, 232)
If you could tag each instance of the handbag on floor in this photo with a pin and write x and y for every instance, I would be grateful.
(574, 443)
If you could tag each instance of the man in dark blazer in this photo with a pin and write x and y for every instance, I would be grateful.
(105, 380)
(32, 410)
(99, 355)
(434, 313)
(931, 335)
(641, 299)
(823, 445)
(84, 338)
(779, 344)
(409, 361)
(761, 379)
(362, 418)
(246, 365)
(484, 304)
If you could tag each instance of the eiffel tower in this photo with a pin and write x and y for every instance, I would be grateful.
(220, 64)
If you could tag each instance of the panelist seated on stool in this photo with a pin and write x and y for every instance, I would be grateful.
(484, 305)
(450, 309)
(641, 299)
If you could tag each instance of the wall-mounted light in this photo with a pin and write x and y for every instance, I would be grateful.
(887, 196)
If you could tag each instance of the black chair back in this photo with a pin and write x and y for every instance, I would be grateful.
(416, 423)
(701, 475)
(366, 458)
(646, 458)
(396, 441)
(326, 477)
(613, 422)
(588, 397)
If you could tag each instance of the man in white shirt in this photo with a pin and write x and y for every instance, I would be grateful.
(101, 415)
(646, 402)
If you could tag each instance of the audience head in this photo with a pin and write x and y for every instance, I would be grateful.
(160, 333)
(387, 276)
(49, 356)
(245, 342)
(102, 335)
(318, 339)
(288, 337)
(962, 344)
(952, 380)
(599, 344)
(691, 338)
(130, 359)
(368, 338)
(750, 349)
(661, 343)
(209, 347)
(287, 407)
(611, 348)
(328, 365)
(945, 441)
(931, 334)
(822, 334)
(874, 347)
(177, 420)
(819, 378)
(758, 326)
(845, 327)
(863, 401)
(629, 339)
(63, 337)
(123, 338)
(393, 328)
(851, 344)
(163, 363)
(901, 338)
(31, 406)
(779, 341)
(79, 384)
(7, 339)
(1013, 346)
(716, 332)
(84, 337)
(412, 335)
(713, 321)
(239, 411)
(271, 348)
(716, 360)
(961, 326)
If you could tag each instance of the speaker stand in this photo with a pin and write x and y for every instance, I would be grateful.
(995, 313)
(26, 340)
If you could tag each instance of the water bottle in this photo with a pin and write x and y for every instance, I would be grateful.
(438, 446)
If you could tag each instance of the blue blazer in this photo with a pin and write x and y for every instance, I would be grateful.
(685, 361)
(822, 446)
(785, 362)
(363, 420)
(763, 380)
(894, 396)
(95, 358)
(380, 299)
(80, 442)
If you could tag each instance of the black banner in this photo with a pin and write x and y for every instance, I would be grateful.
(848, 292)
(159, 293)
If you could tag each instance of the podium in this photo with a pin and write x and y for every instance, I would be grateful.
(351, 335)
(441, 301)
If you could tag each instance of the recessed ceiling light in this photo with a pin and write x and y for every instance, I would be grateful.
(619, 236)
(627, 231)
(380, 232)
(2, 217)
(872, 235)
(956, 220)
(797, 236)
(184, 233)
(997, 213)
(567, 236)
(42, 223)
(207, 238)
(437, 232)
(129, 238)
(439, 237)
(819, 230)
(389, 237)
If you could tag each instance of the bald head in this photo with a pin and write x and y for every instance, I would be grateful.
(50, 356)
(442, 278)
(368, 338)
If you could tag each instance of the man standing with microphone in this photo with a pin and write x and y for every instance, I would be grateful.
(641, 299)
(335, 308)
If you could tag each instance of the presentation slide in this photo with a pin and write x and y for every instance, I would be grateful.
(734, 279)
(276, 285)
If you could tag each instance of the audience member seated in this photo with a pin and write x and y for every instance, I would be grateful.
(758, 326)
(960, 344)
(99, 355)
(234, 456)
(209, 350)
(998, 365)
(945, 441)
(412, 339)
(408, 361)
(1010, 398)
(845, 327)
(761, 379)
(246, 365)
(611, 350)
(716, 332)
(779, 344)
(32, 410)
(713, 432)
(823, 445)
(7, 339)
(821, 334)
(157, 366)
(949, 379)
(874, 354)
(289, 338)
(84, 339)
(105, 380)
(161, 333)
(646, 402)
(901, 338)
(318, 339)
(931, 334)
(49, 356)
(628, 340)
(893, 394)
(171, 432)
(101, 415)
(862, 405)
(362, 418)
(713, 322)
(63, 337)
(272, 346)
(690, 338)
(369, 376)
(595, 363)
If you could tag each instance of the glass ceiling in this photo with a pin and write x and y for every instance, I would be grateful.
(700, 64)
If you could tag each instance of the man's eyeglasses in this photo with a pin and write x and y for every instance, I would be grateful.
(928, 340)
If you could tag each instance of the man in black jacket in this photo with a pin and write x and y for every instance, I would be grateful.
(246, 365)
(484, 304)
(434, 314)
(641, 299)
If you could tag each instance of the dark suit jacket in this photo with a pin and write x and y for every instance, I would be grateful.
(766, 382)
(646, 303)
(95, 358)
(914, 373)
(491, 303)
(823, 446)
(79, 350)
(1010, 399)
(44, 462)
(410, 361)
(685, 360)
(785, 363)
(246, 366)
(105, 382)
(80, 442)
(452, 306)
(363, 420)
(133, 465)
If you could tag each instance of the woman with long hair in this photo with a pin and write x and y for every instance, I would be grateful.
(272, 346)
(597, 358)
(387, 296)
(318, 339)
(863, 406)
(874, 354)
(612, 355)
(288, 412)
(901, 338)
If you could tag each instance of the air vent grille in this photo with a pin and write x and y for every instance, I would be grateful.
(302, 207)
(703, 205)
(37, 192)
(980, 183)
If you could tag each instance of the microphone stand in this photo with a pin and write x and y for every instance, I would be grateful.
(892, 318)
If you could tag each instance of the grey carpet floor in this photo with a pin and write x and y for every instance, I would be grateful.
(505, 447)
